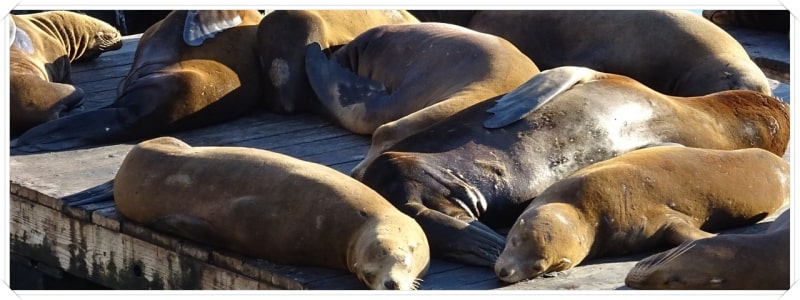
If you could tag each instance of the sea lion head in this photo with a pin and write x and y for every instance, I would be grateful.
(102, 37)
(544, 239)
(691, 265)
(390, 256)
(84, 37)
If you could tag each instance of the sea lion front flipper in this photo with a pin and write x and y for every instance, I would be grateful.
(678, 231)
(347, 96)
(190, 227)
(468, 242)
(205, 24)
(535, 92)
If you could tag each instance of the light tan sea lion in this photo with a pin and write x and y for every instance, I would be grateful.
(372, 80)
(758, 261)
(271, 206)
(478, 169)
(43, 47)
(282, 39)
(675, 52)
(642, 200)
(171, 86)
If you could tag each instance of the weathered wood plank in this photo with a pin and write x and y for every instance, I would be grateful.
(111, 259)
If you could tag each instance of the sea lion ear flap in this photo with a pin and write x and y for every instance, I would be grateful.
(536, 92)
(205, 24)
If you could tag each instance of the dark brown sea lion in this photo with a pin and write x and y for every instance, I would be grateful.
(674, 52)
(42, 49)
(758, 261)
(642, 200)
(171, 85)
(282, 39)
(271, 206)
(391, 71)
(480, 167)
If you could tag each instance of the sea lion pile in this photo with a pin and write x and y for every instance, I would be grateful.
(582, 134)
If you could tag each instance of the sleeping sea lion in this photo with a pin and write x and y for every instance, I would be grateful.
(271, 206)
(192, 69)
(479, 168)
(391, 71)
(641, 200)
(42, 48)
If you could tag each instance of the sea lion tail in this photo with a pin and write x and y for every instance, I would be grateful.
(347, 96)
(535, 92)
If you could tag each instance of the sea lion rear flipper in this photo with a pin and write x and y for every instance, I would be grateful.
(190, 227)
(205, 24)
(469, 242)
(83, 129)
(535, 92)
(347, 96)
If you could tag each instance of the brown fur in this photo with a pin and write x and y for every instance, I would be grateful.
(441, 69)
(40, 84)
(170, 87)
(675, 52)
(283, 36)
(755, 261)
(641, 200)
(271, 206)
(458, 174)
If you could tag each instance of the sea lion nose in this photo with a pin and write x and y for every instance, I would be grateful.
(505, 273)
(390, 284)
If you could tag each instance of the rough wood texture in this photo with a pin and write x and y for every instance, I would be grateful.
(60, 217)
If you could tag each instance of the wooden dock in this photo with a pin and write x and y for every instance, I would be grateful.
(57, 225)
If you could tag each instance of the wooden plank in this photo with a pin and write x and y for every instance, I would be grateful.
(111, 259)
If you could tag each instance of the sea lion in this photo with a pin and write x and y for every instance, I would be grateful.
(171, 86)
(42, 48)
(642, 200)
(757, 261)
(372, 80)
(675, 52)
(282, 38)
(460, 174)
(271, 206)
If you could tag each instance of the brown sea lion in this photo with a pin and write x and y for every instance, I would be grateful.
(757, 261)
(372, 81)
(642, 200)
(480, 167)
(282, 39)
(171, 85)
(674, 52)
(272, 206)
(43, 47)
